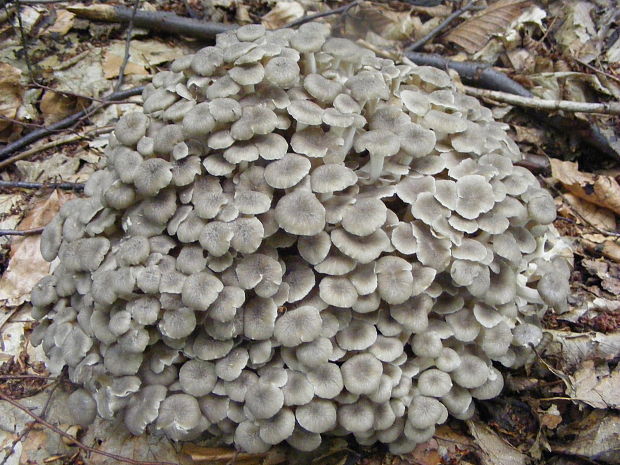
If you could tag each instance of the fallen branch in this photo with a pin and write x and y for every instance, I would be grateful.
(153, 20)
(479, 73)
(65, 123)
(25, 232)
(121, 71)
(608, 108)
(444, 24)
(69, 186)
(55, 143)
(75, 441)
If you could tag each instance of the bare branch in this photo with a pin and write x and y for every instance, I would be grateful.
(121, 71)
(25, 232)
(69, 186)
(607, 108)
(65, 123)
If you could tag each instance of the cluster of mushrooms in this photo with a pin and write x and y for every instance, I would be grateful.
(297, 238)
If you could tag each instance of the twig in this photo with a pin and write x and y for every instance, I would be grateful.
(22, 36)
(444, 24)
(54, 143)
(482, 74)
(29, 427)
(335, 11)
(36, 2)
(607, 108)
(25, 232)
(596, 70)
(75, 441)
(69, 186)
(64, 123)
(153, 20)
(121, 71)
(26, 377)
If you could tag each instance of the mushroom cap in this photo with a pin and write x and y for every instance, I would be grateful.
(300, 213)
(302, 324)
(264, 400)
(362, 373)
(317, 416)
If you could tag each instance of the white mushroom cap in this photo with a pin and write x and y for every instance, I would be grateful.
(178, 414)
(247, 438)
(278, 428)
(471, 373)
(434, 383)
(317, 416)
(424, 412)
(197, 377)
(362, 373)
(357, 417)
(264, 400)
(297, 390)
(296, 326)
(300, 213)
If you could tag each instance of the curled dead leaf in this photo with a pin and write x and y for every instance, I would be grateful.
(493, 449)
(474, 33)
(56, 106)
(595, 385)
(282, 14)
(26, 265)
(597, 189)
(602, 245)
(11, 93)
(599, 217)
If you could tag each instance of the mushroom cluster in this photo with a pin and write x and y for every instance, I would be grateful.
(297, 238)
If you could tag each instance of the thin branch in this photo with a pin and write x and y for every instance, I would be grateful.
(596, 70)
(26, 377)
(335, 11)
(607, 108)
(69, 186)
(121, 71)
(25, 232)
(444, 24)
(55, 143)
(64, 123)
(153, 20)
(22, 36)
(75, 441)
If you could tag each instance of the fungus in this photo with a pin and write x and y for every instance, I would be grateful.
(296, 238)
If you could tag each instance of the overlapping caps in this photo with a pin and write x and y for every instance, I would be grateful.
(296, 238)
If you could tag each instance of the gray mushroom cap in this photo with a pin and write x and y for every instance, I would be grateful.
(362, 373)
(296, 326)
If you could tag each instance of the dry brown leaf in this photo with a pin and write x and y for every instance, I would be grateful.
(378, 18)
(63, 24)
(595, 385)
(474, 33)
(215, 455)
(26, 265)
(282, 14)
(573, 348)
(56, 106)
(598, 189)
(11, 93)
(595, 437)
(599, 217)
(494, 450)
(551, 417)
(601, 244)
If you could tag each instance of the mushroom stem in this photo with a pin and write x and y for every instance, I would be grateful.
(375, 165)
(309, 62)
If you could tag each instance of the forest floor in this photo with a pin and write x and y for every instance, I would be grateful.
(59, 58)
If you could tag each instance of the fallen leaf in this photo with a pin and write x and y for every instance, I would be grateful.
(426, 454)
(595, 385)
(601, 244)
(282, 14)
(26, 265)
(474, 33)
(378, 18)
(573, 348)
(63, 24)
(596, 437)
(493, 449)
(143, 54)
(551, 417)
(58, 167)
(11, 93)
(607, 272)
(577, 31)
(597, 189)
(210, 455)
(56, 106)
(599, 217)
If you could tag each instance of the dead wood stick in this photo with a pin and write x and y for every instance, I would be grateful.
(607, 108)
(63, 123)
(73, 440)
(69, 186)
(444, 24)
(323, 14)
(24, 232)
(154, 20)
